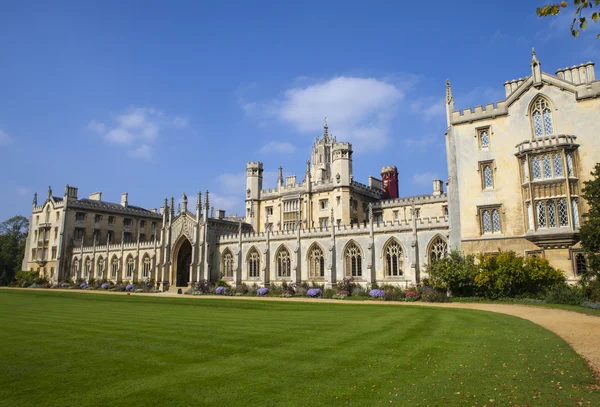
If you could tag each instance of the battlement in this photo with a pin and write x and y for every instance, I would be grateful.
(254, 164)
(419, 199)
(578, 74)
(511, 86)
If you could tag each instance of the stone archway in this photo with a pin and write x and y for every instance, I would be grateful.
(184, 259)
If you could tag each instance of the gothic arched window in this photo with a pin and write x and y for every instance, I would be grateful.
(283, 262)
(227, 263)
(114, 267)
(393, 259)
(438, 249)
(130, 266)
(541, 116)
(253, 263)
(316, 262)
(147, 264)
(353, 257)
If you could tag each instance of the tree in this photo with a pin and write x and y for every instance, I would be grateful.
(582, 14)
(590, 229)
(13, 235)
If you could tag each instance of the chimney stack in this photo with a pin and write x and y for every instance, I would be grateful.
(96, 196)
(124, 197)
(438, 187)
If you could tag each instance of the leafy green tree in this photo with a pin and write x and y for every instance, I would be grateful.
(13, 235)
(454, 273)
(590, 229)
(584, 12)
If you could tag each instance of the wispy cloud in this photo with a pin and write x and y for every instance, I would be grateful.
(4, 138)
(278, 147)
(424, 178)
(23, 191)
(144, 152)
(429, 108)
(359, 109)
(137, 127)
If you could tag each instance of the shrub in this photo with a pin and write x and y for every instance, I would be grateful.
(65, 285)
(328, 293)
(34, 285)
(222, 283)
(339, 296)
(314, 292)
(105, 286)
(411, 296)
(565, 294)
(591, 305)
(25, 278)
(129, 287)
(429, 294)
(241, 289)
(262, 291)
(376, 293)
(592, 290)
(204, 286)
(221, 290)
(83, 286)
(455, 273)
(346, 285)
(139, 290)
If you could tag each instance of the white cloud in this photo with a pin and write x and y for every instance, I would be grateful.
(138, 126)
(431, 107)
(144, 152)
(424, 178)
(230, 204)
(359, 109)
(4, 138)
(232, 182)
(278, 147)
(23, 191)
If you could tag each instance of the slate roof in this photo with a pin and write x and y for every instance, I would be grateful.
(114, 208)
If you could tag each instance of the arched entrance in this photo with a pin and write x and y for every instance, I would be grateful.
(184, 259)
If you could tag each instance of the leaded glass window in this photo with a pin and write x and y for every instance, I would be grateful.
(488, 181)
(541, 214)
(580, 264)
(147, 267)
(530, 215)
(283, 263)
(551, 213)
(575, 210)
(114, 267)
(542, 118)
(353, 261)
(558, 168)
(393, 259)
(438, 249)
(495, 221)
(316, 261)
(487, 221)
(535, 167)
(130, 266)
(485, 138)
(253, 263)
(547, 166)
(570, 171)
(563, 215)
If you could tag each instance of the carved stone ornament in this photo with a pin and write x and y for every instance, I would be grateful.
(338, 178)
(184, 225)
(248, 192)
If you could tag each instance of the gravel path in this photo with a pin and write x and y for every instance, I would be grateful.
(580, 331)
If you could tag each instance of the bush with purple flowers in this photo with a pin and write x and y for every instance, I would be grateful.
(262, 291)
(84, 286)
(129, 287)
(314, 292)
(221, 290)
(411, 296)
(65, 285)
(376, 293)
(105, 286)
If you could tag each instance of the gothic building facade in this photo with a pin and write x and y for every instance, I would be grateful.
(515, 172)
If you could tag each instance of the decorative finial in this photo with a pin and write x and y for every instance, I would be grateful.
(332, 218)
(533, 52)
(199, 200)
(449, 98)
(172, 206)
(184, 199)
(49, 192)
(206, 202)
(35, 199)
(325, 130)
(166, 205)
(370, 212)
(178, 208)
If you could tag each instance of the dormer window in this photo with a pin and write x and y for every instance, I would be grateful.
(541, 115)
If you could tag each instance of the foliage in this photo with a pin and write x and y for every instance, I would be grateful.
(346, 286)
(565, 294)
(411, 296)
(592, 291)
(392, 293)
(590, 229)
(429, 294)
(328, 293)
(105, 286)
(591, 305)
(509, 275)
(13, 235)
(25, 278)
(204, 286)
(455, 273)
(262, 291)
(221, 290)
(580, 21)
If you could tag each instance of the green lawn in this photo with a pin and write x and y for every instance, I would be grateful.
(76, 349)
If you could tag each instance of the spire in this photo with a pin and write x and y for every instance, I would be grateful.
(536, 69)
(35, 199)
(172, 206)
(308, 168)
(166, 204)
(184, 200)
(206, 202)
(325, 131)
(449, 98)
(280, 176)
(199, 201)
(49, 192)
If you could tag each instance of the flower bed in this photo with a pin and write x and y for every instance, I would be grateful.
(84, 286)
(376, 293)
(221, 290)
(262, 291)
(314, 292)
(105, 286)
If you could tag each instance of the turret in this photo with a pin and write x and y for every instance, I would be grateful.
(322, 156)
(254, 184)
(389, 182)
(341, 171)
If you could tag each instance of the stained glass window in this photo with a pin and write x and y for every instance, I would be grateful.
(253, 263)
(353, 261)
(283, 263)
(438, 249)
(227, 263)
(537, 124)
(580, 264)
(317, 262)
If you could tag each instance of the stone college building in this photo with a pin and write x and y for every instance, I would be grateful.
(515, 172)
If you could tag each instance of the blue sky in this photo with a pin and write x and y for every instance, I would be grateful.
(160, 98)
